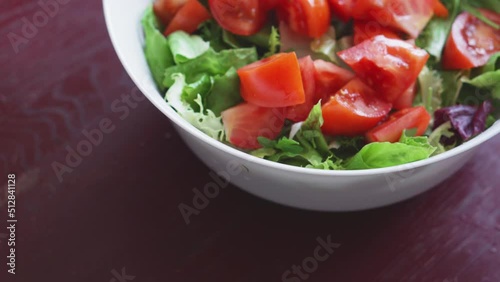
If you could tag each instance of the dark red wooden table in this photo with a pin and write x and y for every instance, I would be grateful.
(114, 216)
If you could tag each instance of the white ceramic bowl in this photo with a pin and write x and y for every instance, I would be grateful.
(292, 186)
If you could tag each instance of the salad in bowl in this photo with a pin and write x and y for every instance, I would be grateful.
(320, 105)
(334, 85)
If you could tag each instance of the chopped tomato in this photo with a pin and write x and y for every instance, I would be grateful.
(300, 112)
(242, 17)
(354, 110)
(273, 82)
(245, 122)
(392, 129)
(268, 5)
(409, 16)
(389, 66)
(188, 18)
(166, 9)
(406, 99)
(306, 17)
(439, 9)
(364, 30)
(471, 41)
(342, 8)
(330, 78)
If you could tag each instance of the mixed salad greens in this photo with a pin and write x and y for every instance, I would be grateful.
(330, 84)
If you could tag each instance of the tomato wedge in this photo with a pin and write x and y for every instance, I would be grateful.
(391, 130)
(409, 16)
(354, 110)
(439, 9)
(306, 17)
(301, 112)
(364, 30)
(166, 9)
(188, 18)
(273, 82)
(342, 9)
(245, 122)
(330, 78)
(389, 66)
(242, 17)
(406, 99)
(471, 42)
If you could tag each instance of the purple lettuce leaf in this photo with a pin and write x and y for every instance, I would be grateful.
(467, 121)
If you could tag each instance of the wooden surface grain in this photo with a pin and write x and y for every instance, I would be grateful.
(115, 216)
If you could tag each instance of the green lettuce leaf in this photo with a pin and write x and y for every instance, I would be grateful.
(211, 63)
(493, 63)
(198, 88)
(493, 5)
(472, 8)
(186, 47)
(213, 33)
(384, 154)
(218, 93)
(452, 85)
(225, 92)
(310, 132)
(489, 78)
(434, 36)
(156, 47)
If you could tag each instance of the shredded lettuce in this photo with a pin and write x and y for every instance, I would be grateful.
(439, 88)
(439, 137)
(204, 119)
(431, 89)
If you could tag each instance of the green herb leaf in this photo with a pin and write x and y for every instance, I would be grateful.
(384, 154)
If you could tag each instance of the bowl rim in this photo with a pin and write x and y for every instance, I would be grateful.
(148, 88)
